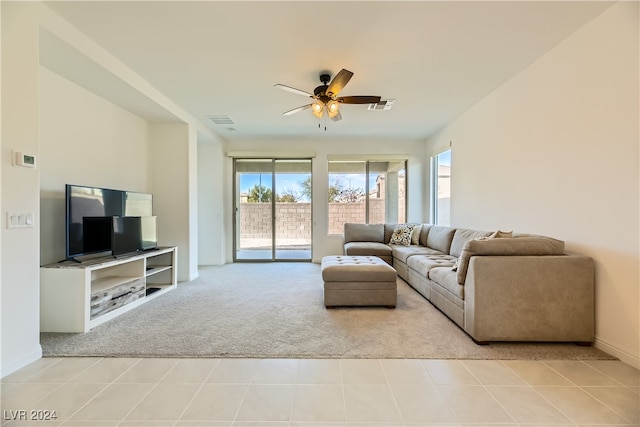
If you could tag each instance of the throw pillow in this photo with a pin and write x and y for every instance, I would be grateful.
(402, 235)
(497, 235)
(502, 234)
(415, 235)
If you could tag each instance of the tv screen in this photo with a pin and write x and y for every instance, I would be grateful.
(89, 202)
(127, 235)
(83, 202)
(96, 232)
(149, 232)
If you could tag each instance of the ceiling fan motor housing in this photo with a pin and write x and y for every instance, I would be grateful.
(325, 78)
(321, 93)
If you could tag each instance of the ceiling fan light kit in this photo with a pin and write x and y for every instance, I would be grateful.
(317, 108)
(325, 96)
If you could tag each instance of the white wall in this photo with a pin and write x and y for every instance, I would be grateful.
(20, 292)
(555, 151)
(174, 173)
(323, 243)
(211, 212)
(25, 86)
(84, 140)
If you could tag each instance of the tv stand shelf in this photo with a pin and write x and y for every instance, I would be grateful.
(76, 297)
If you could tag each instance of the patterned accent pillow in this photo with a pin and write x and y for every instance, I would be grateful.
(402, 235)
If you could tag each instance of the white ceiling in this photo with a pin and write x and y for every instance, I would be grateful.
(436, 59)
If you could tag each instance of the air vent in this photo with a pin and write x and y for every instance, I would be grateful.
(382, 105)
(221, 119)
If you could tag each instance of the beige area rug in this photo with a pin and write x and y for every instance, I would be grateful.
(275, 310)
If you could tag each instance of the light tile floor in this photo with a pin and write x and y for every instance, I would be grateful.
(320, 392)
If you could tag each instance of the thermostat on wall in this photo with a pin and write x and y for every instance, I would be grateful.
(23, 159)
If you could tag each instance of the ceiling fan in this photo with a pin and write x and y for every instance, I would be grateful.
(326, 96)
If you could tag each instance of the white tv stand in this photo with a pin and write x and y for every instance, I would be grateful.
(75, 297)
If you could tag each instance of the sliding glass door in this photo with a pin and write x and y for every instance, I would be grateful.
(272, 207)
(253, 209)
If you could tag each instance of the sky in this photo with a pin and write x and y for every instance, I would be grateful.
(291, 181)
(444, 158)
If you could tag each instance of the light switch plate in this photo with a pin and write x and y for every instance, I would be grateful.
(20, 220)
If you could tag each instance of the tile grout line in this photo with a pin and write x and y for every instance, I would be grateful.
(155, 385)
(484, 386)
(542, 396)
(62, 384)
(344, 394)
(204, 381)
(622, 385)
(393, 396)
(579, 387)
(607, 375)
(107, 385)
(295, 392)
(244, 395)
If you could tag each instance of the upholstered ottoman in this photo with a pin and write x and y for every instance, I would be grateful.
(358, 281)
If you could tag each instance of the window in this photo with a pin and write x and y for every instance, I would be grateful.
(441, 188)
(371, 192)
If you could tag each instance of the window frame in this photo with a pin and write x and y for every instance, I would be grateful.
(367, 196)
(435, 181)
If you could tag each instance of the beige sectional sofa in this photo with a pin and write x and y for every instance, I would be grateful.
(519, 288)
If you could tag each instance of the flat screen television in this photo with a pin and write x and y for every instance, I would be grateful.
(87, 204)
(127, 235)
(96, 234)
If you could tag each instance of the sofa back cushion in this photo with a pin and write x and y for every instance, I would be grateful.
(462, 236)
(522, 244)
(388, 232)
(440, 237)
(363, 233)
(424, 234)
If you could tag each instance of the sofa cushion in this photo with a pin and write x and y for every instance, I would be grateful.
(440, 237)
(367, 248)
(402, 253)
(518, 245)
(356, 269)
(462, 236)
(402, 234)
(424, 234)
(423, 263)
(363, 233)
(415, 234)
(446, 278)
(388, 232)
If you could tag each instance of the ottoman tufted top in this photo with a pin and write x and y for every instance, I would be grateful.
(343, 268)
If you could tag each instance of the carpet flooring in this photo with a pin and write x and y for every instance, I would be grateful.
(275, 310)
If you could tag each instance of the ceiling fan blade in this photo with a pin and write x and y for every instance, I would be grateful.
(359, 99)
(336, 117)
(295, 110)
(339, 82)
(294, 90)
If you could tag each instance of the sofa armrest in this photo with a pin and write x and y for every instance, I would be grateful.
(516, 246)
(530, 298)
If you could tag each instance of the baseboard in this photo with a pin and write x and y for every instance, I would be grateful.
(624, 356)
(21, 362)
